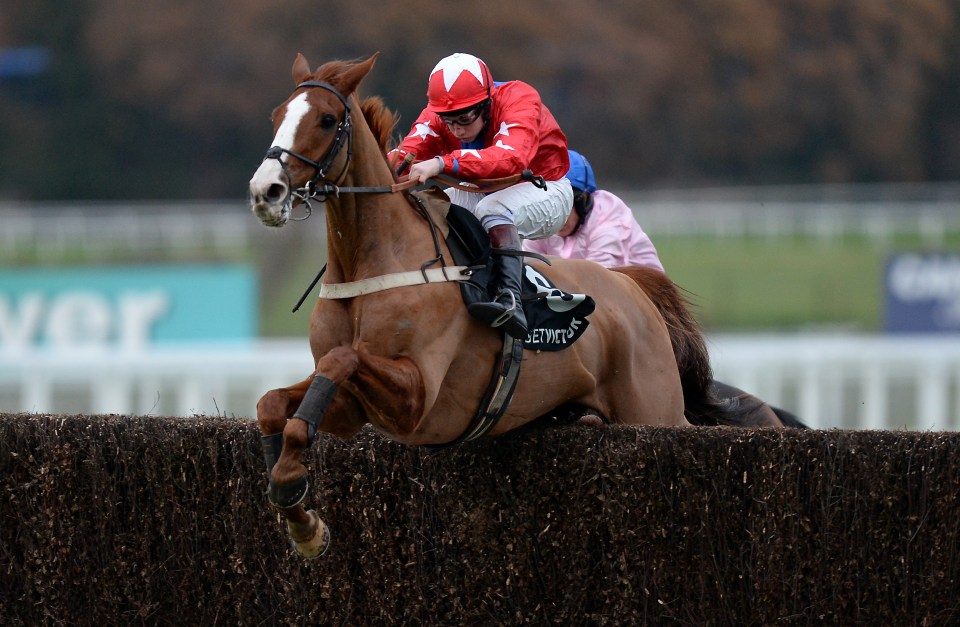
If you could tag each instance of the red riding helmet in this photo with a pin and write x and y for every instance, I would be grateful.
(458, 82)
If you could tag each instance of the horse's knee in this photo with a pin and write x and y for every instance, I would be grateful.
(333, 368)
(272, 411)
(338, 364)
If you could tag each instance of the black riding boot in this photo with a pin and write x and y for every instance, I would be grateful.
(506, 310)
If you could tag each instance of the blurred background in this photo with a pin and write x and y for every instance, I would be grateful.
(796, 163)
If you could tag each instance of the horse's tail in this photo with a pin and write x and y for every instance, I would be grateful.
(686, 337)
(701, 405)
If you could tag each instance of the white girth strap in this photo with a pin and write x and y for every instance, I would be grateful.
(397, 279)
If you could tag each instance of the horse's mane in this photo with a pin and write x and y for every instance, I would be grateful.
(381, 120)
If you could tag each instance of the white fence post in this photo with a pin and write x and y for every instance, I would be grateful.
(873, 399)
(933, 394)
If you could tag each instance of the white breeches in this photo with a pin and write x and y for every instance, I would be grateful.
(537, 213)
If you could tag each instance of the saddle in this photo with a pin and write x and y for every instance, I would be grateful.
(555, 319)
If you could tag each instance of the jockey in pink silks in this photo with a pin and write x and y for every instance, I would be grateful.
(601, 228)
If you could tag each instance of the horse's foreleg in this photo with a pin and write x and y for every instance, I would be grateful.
(308, 403)
(332, 369)
(310, 535)
(273, 409)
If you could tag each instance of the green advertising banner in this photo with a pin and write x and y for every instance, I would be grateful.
(126, 307)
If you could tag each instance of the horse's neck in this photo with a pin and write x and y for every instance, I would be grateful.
(369, 234)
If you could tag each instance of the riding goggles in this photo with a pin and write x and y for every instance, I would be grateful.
(463, 119)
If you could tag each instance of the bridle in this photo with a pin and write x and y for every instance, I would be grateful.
(318, 188)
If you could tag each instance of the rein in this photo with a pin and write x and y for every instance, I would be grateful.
(481, 186)
(486, 186)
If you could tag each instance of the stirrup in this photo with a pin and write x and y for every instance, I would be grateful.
(508, 313)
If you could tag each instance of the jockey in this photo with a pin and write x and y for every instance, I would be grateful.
(474, 128)
(600, 228)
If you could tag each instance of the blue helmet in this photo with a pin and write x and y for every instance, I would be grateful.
(580, 173)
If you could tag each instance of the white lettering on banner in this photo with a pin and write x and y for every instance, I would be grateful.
(138, 314)
(81, 319)
(915, 277)
(18, 328)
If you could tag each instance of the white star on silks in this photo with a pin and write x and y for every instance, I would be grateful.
(421, 130)
(471, 151)
(456, 65)
(500, 144)
(505, 129)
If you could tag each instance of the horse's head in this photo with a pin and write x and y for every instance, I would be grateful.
(312, 138)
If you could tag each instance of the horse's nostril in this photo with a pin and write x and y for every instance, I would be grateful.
(276, 192)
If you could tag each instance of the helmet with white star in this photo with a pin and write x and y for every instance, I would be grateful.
(458, 82)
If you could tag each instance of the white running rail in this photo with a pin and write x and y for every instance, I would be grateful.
(849, 381)
(844, 381)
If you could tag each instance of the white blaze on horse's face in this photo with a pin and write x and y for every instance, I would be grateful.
(269, 193)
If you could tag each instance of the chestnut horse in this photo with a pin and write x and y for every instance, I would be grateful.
(409, 359)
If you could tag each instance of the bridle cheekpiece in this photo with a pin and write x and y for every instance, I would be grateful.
(319, 187)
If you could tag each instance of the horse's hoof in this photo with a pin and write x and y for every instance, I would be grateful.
(287, 495)
(315, 541)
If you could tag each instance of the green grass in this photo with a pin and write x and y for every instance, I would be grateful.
(759, 285)
(276, 317)
(784, 283)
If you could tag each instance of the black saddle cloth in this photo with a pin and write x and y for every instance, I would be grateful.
(555, 319)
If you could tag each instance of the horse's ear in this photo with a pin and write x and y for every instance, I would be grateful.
(301, 69)
(350, 80)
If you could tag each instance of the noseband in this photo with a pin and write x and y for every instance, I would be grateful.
(318, 187)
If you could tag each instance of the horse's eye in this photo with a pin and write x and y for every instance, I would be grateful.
(327, 120)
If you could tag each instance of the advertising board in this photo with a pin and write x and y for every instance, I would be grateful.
(127, 306)
(922, 293)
